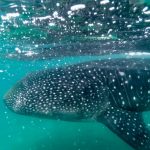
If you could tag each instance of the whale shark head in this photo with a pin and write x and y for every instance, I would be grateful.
(58, 94)
(15, 99)
(31, 96)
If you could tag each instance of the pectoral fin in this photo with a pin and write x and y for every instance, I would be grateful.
(127, 125)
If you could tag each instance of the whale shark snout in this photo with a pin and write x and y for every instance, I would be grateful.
(15, 98)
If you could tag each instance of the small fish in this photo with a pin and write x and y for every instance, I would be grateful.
(113, 92)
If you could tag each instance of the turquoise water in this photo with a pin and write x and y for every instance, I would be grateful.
(33, 27)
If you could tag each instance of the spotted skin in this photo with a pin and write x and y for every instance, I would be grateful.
(113, 92)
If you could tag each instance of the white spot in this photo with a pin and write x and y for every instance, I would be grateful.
(30, 53)
(57, 4)
(9, 16)
(145, 9)
(103, 2)
(123, 102)
(77, 7)
(51, 24)
(113, 80)
(131, 87)
(111, 8)
(121, 73)
(17, 50)
(129, 26)
(147, 12)
(54, 107)
(147, 20)
(115, 121)
(1, 71)
(134, 98)
(55, 14)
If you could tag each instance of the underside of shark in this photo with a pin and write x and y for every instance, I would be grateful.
(113, 92)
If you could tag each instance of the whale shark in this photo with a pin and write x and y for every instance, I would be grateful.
(113, 92)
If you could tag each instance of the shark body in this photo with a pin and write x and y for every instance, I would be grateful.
(113, 92)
